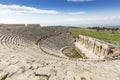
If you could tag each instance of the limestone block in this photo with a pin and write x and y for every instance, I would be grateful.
(43, 71)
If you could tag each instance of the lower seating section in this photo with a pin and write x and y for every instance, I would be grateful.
(53, 45)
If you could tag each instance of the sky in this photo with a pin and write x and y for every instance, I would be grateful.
(60, 12)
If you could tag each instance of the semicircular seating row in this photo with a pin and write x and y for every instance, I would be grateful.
(9, 41)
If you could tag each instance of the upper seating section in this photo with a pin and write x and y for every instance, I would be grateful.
(31, 32)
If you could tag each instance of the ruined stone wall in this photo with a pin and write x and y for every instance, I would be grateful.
(19, 25)
(98, 47)
(11, 25)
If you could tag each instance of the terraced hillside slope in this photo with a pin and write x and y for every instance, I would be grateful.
(34, 53)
